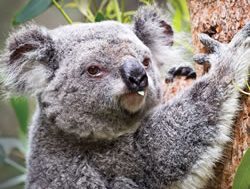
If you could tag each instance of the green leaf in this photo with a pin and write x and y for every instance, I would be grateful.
(147, 2)
(99, 17)
(21, 108)
(177, 20)
(70, 5)
(2, 155)
(13, 181)
(242, 177)
(110, 9)
(129, 13)
(179, 11)
(83, 6)
(15, 165)
(8, 144)
(32, 9)
(117, 10)
(102, 4)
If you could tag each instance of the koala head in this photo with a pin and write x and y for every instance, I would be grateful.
(92, 80)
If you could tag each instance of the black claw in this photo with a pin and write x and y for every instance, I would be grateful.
(209, 43)
(191, 75)
(172, 71)
(181, 71)
(201, 58)
(169, 80)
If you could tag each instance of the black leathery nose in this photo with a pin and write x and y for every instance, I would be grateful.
(134, 75)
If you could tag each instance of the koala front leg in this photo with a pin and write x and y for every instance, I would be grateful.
(90, 181)
(53, 173)
(183, 139)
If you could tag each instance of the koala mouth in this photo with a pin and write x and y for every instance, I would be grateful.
(133, 101)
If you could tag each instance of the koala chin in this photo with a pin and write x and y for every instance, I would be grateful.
(133, 101)
(101, 122)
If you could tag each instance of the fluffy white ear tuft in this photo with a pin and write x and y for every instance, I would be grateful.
(28, 60)
(151, 27)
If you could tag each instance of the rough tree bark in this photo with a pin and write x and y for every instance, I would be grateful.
(221, 19)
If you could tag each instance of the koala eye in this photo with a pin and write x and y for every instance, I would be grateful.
(146, 62)
(94, 70)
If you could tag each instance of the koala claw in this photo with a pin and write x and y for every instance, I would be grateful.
(246, 43)
(211, 44)
(201, 58)
(215, 48)
(181, 71)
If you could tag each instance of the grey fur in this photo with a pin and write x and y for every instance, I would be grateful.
(82, 136)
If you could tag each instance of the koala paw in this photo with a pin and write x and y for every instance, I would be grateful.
(202, 58)
(232, 57)
(212, 46)
(216, 50)
(186, 71)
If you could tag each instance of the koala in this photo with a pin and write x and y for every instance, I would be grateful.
(100, 121)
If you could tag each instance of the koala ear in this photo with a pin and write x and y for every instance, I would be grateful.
(28, 60)
(151, 28)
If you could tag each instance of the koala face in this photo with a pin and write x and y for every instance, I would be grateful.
(92, 80)
(104, 71)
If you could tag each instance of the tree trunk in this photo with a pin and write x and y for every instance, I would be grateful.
(221, 19)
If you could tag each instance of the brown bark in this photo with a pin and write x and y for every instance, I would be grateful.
(221, 19)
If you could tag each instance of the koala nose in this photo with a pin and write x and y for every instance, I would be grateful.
(134, 75)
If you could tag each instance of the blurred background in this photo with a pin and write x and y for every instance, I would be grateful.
(15, 112)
